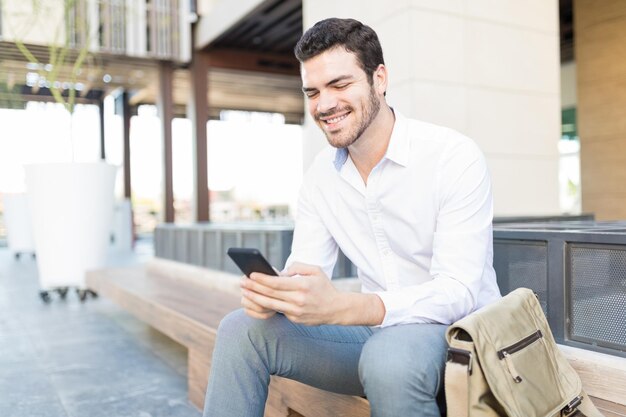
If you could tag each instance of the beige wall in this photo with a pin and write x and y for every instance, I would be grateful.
(600, 29)
(489, 69)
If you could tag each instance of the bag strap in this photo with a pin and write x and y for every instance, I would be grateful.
(583, 407)
(458, 371)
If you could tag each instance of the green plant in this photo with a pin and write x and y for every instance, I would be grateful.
(9, 91)
(66, 57)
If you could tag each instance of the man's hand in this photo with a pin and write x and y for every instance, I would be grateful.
(305, 295)
(250, 307)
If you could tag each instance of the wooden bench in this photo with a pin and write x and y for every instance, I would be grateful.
(187, 303)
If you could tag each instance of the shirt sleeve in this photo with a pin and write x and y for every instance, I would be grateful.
(462, 245)
(312, 242)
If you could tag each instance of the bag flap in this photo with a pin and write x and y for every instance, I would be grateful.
(526, 372)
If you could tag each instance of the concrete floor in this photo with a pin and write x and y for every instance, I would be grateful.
(90, 359)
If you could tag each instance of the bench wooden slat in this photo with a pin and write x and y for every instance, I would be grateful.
(312, 402)
(191, 298)
(603, 376)
(609, 409)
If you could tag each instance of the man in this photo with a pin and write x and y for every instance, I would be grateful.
(410, 205)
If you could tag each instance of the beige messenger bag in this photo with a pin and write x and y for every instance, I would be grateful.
(503, 361)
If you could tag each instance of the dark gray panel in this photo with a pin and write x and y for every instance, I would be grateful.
(521, 263)
(597, 284)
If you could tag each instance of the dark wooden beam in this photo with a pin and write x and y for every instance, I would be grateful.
(126, 137)
(102, 143)
(166, 114)
(198, 113)
(252, 61)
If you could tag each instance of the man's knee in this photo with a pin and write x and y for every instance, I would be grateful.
(232, 325)
(384, 372)
(392, 363)
(238, 329)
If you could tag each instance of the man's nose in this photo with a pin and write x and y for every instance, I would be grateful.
(326, 102)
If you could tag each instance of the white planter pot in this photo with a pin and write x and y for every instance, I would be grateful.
(17, 221)
(122, 232)
(72, 209)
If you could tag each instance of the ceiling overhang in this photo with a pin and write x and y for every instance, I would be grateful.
(248, 53)
(222, 17)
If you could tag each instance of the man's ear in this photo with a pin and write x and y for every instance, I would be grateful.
(380, 78)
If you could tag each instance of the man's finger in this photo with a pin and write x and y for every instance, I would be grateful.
(269, 303)
(298, 268)
(249, 305)
(280, 283)
(261, 316)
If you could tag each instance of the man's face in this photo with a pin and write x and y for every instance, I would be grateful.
(340, 98)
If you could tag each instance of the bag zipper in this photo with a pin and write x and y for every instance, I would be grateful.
(521, 344)
(505, 354)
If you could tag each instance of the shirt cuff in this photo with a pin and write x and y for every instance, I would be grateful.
(395, 310)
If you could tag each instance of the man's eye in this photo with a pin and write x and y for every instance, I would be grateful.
(341, 86)
(311, 94)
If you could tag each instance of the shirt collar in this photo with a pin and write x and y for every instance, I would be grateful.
(397, 150)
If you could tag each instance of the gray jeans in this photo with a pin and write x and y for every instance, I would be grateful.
(398, 368)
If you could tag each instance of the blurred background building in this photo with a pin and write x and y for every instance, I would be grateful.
(199, 102)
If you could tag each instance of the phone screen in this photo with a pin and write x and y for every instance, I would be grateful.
(250, 260)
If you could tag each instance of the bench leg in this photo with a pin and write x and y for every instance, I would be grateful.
(275, 405)
(198, 365)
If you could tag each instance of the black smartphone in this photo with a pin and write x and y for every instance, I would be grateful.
(250, 260)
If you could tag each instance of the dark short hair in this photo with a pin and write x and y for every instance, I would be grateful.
(350, 34)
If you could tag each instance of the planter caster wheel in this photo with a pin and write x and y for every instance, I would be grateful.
(82, 295)
(62, 292)
(45, 296)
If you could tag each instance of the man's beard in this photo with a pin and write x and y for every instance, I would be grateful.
(369, 113)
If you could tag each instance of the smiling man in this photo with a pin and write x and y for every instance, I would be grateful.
(410, 204)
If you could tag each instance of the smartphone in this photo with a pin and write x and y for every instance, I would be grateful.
(250, 260)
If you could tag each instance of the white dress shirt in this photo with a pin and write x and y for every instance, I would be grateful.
(419, 232)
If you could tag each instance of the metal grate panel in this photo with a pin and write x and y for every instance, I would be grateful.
(196, 246)
(276, 251)
(181, 245)
(213, 249)
(230, 239)
(520, 263)
(254, 239)
(597, 285)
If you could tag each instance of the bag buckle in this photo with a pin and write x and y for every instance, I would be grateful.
(572, 406)
(460, 356)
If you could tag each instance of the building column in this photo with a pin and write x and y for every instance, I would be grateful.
(166, 114)
(126, 137)
(198, 113)
(101, 114)
(600, 36)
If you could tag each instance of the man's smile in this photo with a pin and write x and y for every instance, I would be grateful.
(332, 121)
